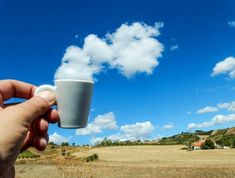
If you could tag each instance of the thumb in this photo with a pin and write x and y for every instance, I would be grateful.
(34, 107)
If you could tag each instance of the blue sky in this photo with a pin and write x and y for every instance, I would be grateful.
(196, 36)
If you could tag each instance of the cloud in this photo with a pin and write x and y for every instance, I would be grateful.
(231, 24)
(139, 130)
(131, 49)
(114, 137)
(227, 66)
(57, 138)
(218, 119)
(230, 106)
(101, 122)
(174, 47)
(168, 126)
(207, 109)
(96, 140)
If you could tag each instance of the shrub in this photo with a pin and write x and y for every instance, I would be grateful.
(92, 157)
(64, 144)
(209, 144)
(95, 156)
(27, 154)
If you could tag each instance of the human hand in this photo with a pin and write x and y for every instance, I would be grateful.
(23, 125)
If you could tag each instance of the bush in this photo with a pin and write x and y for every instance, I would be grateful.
(92, 157)
(95, 156)
(27, 154)
(209, 144)
(64, 144)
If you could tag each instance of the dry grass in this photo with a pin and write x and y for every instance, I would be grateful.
(134, 161)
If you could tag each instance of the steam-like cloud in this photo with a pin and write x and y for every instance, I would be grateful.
(227, 66)
(131, 49)
(218, 119)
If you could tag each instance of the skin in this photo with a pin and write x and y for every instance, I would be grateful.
(23, 125)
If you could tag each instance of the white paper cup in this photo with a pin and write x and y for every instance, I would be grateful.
(73, 99)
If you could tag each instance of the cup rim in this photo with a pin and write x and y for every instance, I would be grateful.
(75, 80)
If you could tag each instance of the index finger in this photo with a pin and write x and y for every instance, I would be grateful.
(15, 88)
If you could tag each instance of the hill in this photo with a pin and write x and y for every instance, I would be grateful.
(222, 137)
(184, 138)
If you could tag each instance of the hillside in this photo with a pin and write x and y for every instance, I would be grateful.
(223, 137)
(184, 138)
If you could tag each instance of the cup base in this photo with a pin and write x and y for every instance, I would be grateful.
(71, 126)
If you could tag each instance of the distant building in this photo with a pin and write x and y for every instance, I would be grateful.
(197, 145)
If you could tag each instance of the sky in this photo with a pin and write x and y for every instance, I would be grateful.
(184, 83)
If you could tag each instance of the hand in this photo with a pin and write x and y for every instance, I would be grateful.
(23, 125)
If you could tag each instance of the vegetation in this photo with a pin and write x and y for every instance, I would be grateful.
(201, 132)
(224, 137)
(183, 138)
(107, 142)
(51, 143)
(227, 140)
(92, 157)
(27, 154)
(64, 144)
(209, 144)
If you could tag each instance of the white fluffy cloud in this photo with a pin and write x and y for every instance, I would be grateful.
(231, 24)
(96, 140)
(131, 49)
(218, 119)
(134, 48)
(57, 138)
(207, 109)
(174, 47)
(139, 130)
(168, 126)
(227, 66)
(101, 122)
(230, 106)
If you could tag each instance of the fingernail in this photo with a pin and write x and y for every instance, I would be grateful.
(48, 95)
(43, 142)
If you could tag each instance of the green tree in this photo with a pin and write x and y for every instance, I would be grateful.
(64, 144)
(209, 144)
(51, 143)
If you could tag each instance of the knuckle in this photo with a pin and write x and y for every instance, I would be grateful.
(39, 104)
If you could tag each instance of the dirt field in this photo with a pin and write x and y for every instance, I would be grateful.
(133, 162)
